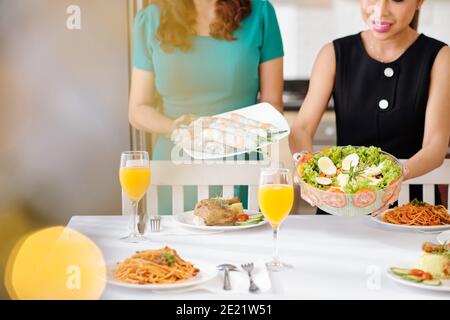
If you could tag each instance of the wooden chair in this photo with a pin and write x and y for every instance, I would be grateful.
(203, 175)
(439, 176)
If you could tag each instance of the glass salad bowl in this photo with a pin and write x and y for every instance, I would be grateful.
(350, 185)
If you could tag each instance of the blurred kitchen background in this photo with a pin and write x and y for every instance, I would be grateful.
(64, 99)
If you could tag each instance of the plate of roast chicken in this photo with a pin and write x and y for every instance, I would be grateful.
(220, 214)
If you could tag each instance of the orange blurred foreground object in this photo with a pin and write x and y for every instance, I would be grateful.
(56, 263)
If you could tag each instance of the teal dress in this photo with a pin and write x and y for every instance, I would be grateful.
(216, 76)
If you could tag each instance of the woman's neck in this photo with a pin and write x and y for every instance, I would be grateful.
(206, 10)
(392, 48)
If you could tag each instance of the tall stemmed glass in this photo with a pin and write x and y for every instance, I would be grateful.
(275, 197)
(135, 178)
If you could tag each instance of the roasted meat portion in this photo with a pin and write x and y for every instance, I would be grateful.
(217, 211)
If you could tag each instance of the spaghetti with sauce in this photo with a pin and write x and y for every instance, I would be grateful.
(418, 213)
(163, 266)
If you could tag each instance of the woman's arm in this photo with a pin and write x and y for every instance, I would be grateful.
(141, 113)
(316, 101)
(437, 120)
(271, 83)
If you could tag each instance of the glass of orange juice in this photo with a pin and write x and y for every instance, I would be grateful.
(135, 176)
(275, 197)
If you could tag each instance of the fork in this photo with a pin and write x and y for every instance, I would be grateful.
(155, 223)
(249, 268)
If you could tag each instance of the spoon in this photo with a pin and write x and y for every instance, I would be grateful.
(226, 279)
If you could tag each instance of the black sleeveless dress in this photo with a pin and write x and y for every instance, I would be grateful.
(383, 104)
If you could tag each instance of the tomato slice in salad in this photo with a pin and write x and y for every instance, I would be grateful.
(243, 217)
(334, 197)
(364, 198)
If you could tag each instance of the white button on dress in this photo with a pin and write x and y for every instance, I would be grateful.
(389, 72)
(383, 104)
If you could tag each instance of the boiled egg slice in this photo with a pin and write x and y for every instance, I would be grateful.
(351, 160)
(327, 166)
(342, 179)
(374, 181)
(372, 171)
(324, 181)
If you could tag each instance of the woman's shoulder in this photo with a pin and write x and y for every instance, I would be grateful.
(429, 41)
(438, 50)
(262, 7)
(148, 15)
(262, 11)
(348, 40)
(257, 4)
(149, 11)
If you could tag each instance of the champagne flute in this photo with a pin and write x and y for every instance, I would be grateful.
(275, 197)
(135, 178)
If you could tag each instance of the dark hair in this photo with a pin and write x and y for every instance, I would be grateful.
(415, 21)
(178, 19)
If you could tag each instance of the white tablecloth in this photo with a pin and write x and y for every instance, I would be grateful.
(333, 257)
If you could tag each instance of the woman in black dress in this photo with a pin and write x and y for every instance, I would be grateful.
(391, 89)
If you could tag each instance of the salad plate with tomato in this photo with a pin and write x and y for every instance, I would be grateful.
(418, 278)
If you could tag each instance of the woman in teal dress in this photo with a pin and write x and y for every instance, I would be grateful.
(202, 57)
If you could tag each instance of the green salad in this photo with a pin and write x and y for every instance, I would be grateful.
(350, 169)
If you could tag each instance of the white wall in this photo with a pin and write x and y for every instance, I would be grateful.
(306, 25)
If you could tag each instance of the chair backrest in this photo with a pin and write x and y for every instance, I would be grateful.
(226, 174)
(439, 176)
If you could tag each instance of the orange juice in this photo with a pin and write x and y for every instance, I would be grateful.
(275, 201)
(135, 181)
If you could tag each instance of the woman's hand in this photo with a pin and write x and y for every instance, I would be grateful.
(391, 200)
(299, 159)
(184, 120)
(179, 132)
(395, 194)
(304, 195)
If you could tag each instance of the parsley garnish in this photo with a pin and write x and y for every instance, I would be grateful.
(418, 203)
(170, 258)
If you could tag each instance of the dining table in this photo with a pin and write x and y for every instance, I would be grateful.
(331, 257)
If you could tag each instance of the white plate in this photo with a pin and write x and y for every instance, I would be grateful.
(379, 218)
(207, 272)
(186, 219)
(445, 287)
(444, 237)
(263, 112)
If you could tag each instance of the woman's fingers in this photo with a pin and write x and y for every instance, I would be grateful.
(307, 199)
(185, 120)
(391, 200)
(297, 156)
(377, 212)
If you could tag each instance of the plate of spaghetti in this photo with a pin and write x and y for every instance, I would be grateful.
(159, 269)
(416, 215)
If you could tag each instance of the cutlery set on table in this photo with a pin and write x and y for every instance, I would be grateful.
(248, 267)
